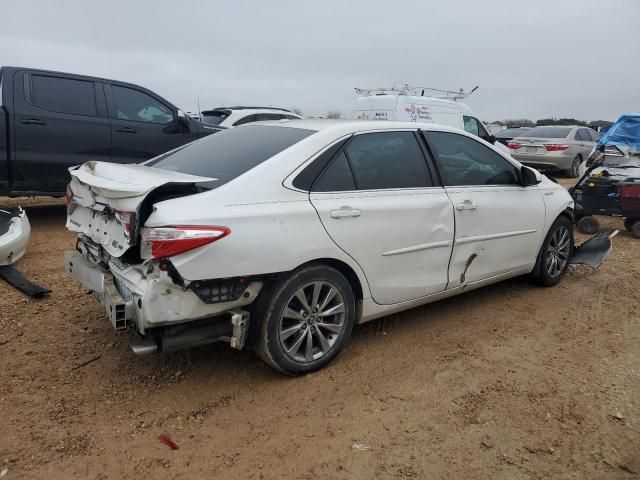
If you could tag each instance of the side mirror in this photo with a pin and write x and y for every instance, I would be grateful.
(529, 176)
(182, 119)
(491, 139)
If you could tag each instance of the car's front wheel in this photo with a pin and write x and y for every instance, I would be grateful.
(306, 319)
(555, 253)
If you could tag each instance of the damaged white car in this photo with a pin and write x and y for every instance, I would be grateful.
(284, 235)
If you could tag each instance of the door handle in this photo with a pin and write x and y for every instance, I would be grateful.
(344, 212)
(126, 130)
(466, 205)
(33, 121)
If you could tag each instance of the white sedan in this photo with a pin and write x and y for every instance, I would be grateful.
(283, 235)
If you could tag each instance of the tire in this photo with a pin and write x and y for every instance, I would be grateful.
(305, 340)
(574, 171)
(635, 229)
(558, 245)
(588, 225)
(628, 224)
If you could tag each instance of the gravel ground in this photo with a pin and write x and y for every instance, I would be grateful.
(507, 382)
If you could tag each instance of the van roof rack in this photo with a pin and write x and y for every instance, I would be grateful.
(407, 89)
(244, 107)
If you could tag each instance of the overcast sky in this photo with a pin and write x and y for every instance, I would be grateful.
(533, 59)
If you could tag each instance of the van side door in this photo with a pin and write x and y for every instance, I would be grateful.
(143, 125)
(59, 121)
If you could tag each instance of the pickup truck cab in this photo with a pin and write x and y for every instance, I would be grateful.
(50, 121)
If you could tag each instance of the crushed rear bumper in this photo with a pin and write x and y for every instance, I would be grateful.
(145, 297)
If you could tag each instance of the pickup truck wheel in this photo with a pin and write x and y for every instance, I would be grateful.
(555, 253)
(635, 229)
(306, 320)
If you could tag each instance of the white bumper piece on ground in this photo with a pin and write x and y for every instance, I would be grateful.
(14, 235)
(148, 300)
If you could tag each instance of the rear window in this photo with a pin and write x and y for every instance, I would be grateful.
(548, 132)
(230, 153)
(512, 132)
(214, 118)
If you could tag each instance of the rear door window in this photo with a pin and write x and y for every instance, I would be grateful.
(582, 135)
(63, 95)
(230, 153)
(374, 161)
(135, 105)
(595, 136)
(465, 161)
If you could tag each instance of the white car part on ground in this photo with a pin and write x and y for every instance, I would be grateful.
(14, 235)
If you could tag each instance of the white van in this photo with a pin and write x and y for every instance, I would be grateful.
(389, 105)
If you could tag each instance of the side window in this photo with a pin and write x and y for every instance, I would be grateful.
(138, 106)
(582, 135)
(595, 136)
(268, 116)
(63, 95)
(387, 160)
(247, 119)
(464, 161)
(471, 126)
(337, 177)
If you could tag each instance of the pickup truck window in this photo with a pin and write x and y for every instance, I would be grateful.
(63, 95)
(138, 106)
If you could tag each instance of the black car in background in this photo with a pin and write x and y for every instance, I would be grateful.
(505, 136)
(50, 121)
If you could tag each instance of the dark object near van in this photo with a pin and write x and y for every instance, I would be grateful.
(50, 121)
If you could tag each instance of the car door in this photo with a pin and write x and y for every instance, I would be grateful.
(142, 125)
(379, 203)
(59, 121)
(585, 142)
(499, 223)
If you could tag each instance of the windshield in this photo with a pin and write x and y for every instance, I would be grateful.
(213, 118)
(230, 153)
(548, 132)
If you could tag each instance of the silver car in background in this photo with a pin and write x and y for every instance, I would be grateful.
(555, 147)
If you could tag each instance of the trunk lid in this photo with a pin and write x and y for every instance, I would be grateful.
(106, 201)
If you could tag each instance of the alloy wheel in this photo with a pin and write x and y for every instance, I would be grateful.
(312, 321)
(558, 252)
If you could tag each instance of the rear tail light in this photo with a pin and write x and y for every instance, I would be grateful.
(68, 196)
(613, 151)
(128, 222)
(513, 145)
(160, 242)
(556, 147)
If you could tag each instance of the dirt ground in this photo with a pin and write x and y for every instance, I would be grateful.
(507, 382)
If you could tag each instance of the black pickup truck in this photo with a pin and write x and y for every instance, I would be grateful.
(50, 121)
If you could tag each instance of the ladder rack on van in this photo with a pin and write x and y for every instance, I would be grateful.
(416, 91)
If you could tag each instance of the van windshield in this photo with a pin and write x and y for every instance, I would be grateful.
(230, 153)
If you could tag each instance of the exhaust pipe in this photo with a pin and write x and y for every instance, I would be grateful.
(180, 337)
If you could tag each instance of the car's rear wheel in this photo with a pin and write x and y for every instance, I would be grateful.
(635, 229)
(555, 253)
(574, 171)
(306, 320)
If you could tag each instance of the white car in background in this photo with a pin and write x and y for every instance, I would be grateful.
(381, 104)
(236, 116)
(288, 234)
